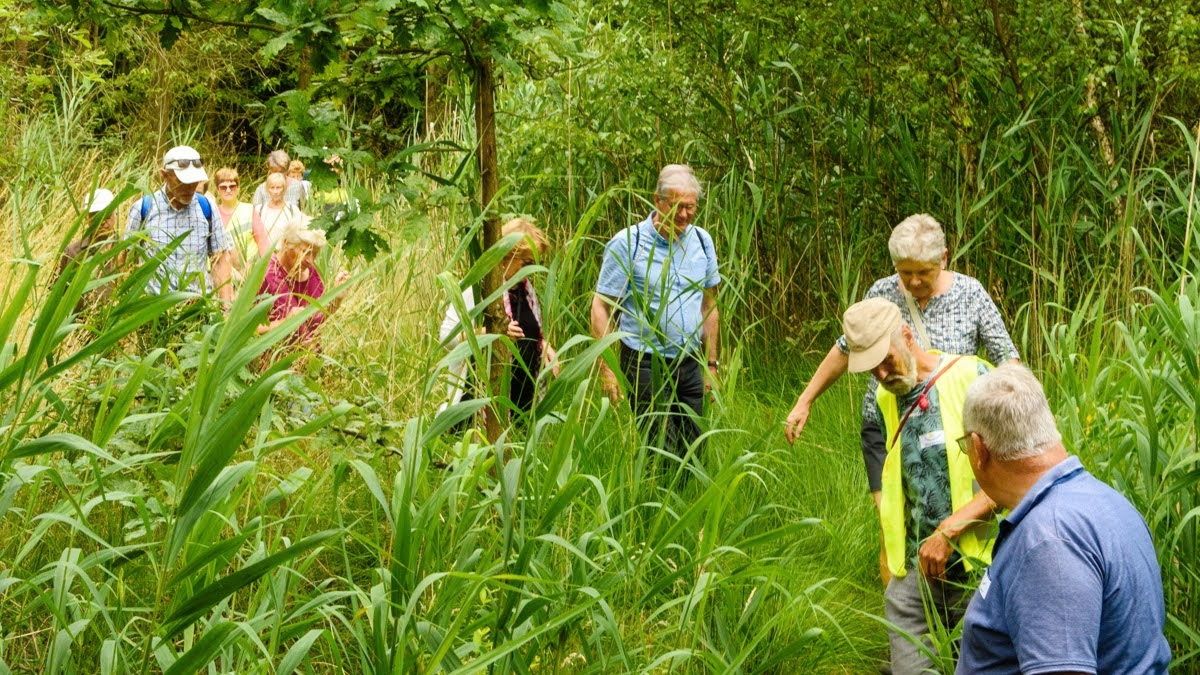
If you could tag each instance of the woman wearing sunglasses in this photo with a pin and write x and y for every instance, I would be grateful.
(236, 215)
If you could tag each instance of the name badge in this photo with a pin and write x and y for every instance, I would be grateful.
(933, 438)
(984, 586)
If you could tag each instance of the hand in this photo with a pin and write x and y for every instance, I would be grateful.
(550, 357)
(609, 385)
(341, 278)
(262, 328)
(710, 382)
(514, 330)
(796, 420)
(933, 554)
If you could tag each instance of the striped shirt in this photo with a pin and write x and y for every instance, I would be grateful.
(959, 321)
(187, 265)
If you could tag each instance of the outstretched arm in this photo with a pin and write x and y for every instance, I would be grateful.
(832, 367)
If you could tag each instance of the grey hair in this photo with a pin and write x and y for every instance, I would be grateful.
(1008, 409)
(918, 238)
(278, 159)
(678, 178)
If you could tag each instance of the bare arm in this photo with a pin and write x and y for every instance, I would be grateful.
(602, 326)
(935, 550)
(832, 367)
(260, 233)
(221, 275)
(712, 330)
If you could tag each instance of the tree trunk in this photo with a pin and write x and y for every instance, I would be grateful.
(489, 185)
(304, 69)
(1099, 128)
(956, 84)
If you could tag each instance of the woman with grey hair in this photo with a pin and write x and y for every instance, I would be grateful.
(948, 312)
(293, 194)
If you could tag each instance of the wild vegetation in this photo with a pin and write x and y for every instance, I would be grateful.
(170, 503)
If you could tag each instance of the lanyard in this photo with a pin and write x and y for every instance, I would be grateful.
(922, 401)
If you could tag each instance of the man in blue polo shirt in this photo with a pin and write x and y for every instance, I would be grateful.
(661, 277)
(1074, 585)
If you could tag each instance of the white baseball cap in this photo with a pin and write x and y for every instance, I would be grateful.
(99, 200)
(186, 163)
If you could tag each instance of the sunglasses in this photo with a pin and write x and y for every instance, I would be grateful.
(224, 187)
(185, 163)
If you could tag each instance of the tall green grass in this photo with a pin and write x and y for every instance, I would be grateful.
(169, 503)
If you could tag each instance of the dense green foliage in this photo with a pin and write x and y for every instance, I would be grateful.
(170, 503)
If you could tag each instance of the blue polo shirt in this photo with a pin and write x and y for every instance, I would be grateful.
(659, 285)
(1074, 586)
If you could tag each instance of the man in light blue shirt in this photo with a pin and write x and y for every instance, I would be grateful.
(661, 278)
(1074, 585)
(174, 211)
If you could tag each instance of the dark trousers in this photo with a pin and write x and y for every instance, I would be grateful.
(667, 396)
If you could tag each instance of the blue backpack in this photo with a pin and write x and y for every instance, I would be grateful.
(205, 207)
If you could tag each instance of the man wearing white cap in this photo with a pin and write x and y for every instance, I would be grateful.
(933, 516)
(177, 210)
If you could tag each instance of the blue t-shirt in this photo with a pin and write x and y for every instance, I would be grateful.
(1074, 586)
(659, 285)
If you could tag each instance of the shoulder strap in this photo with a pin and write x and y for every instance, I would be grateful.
(206, 207)
(917, 318)
(145, 207)
(703, 246)
(922, 400)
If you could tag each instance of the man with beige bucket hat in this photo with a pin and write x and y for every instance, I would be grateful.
(933, 516)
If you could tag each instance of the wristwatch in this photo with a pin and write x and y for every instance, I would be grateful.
(713, 363)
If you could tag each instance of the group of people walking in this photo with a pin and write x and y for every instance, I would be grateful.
(217, 244)
(982, 511)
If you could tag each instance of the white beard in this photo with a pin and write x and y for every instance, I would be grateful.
(899, 385)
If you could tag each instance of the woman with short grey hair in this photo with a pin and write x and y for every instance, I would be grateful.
(948, 311)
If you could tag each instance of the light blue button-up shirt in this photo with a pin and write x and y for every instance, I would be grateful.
(659, 286)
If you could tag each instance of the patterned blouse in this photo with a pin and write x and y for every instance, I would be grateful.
(959, 321)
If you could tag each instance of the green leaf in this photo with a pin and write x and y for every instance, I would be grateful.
(205, 650)
(295, 655)
(204, 599)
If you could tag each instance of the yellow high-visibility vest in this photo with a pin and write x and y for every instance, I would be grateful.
(951, 388)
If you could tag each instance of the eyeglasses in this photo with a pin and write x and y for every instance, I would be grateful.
(225, 187)
(185, 163)
(964, 443)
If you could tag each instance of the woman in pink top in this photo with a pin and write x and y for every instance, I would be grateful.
(293, 279)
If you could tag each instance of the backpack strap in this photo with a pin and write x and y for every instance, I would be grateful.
(145, 207)
(206, 209)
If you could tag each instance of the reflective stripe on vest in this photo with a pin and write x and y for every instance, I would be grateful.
(951, 389)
